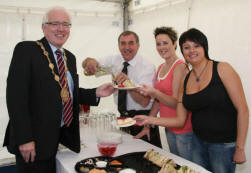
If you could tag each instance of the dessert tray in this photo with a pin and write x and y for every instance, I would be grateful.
(135, 161)
(150, 161)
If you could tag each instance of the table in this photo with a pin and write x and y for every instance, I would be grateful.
(6, 158)
(66, 160)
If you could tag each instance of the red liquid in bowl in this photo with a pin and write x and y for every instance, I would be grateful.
(107, 149)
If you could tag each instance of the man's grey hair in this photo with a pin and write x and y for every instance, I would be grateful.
(45, 17)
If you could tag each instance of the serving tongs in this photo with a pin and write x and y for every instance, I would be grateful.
(103, 70)
(100, 71)
(113, 77)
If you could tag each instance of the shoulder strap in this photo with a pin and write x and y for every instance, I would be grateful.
(215, 75)
(215, 63)
(185, 81)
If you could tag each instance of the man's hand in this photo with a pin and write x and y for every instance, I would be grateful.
(145, 131)
(120, 78)
(28, 151)
(90, 66)
(105, 90)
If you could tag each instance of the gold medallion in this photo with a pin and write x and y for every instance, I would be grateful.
(64, 94)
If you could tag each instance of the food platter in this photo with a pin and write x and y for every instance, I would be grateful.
(93, 163)
(150, 161)
(135, 161)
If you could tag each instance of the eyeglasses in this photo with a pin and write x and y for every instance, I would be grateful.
(57, 24)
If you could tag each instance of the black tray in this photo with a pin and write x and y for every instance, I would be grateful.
(138, 162)
(134, 160)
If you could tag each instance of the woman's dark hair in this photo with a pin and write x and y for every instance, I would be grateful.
(196, 36)
(168, 31)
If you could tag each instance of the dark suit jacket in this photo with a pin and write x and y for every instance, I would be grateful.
(34, 103)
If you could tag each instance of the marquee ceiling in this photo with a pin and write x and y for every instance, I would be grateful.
(86, 5)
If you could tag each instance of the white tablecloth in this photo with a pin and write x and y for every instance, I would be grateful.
(66, 159)
(6, 158)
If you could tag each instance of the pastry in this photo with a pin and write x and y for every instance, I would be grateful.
(158, 159)
(125, 121)
(84, 169)
(128, 83)
(166, 168)
(94, 170)
(186, 169)
(115, 162)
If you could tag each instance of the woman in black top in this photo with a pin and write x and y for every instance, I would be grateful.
(214, 93)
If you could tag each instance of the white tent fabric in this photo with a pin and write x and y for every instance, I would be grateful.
(97, 24)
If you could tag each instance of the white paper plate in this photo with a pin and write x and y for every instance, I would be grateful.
(128, 125)
(126, 88)
(115, 123)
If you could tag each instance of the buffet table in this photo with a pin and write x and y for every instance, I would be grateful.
(6, 159)
(66, 159)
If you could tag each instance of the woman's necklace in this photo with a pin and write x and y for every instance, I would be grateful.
(197, 77)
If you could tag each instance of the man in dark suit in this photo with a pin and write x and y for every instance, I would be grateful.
(43, 97)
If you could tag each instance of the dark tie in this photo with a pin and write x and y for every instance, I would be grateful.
(67, 106)
(122, 94)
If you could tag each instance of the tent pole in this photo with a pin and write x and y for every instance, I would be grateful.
(23, 27)
(125, 4)
(190, 4)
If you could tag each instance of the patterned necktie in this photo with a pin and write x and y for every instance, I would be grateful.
(67, 106)
(122, 94)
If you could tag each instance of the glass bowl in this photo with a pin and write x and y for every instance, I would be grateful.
(109, 137)
(108, 142)
(107, 148)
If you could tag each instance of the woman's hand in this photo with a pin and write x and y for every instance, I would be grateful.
(143, 120)
(144, 131)
(239, 156)
(147, 90)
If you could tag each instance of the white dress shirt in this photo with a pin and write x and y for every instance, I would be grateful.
(140, 71)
